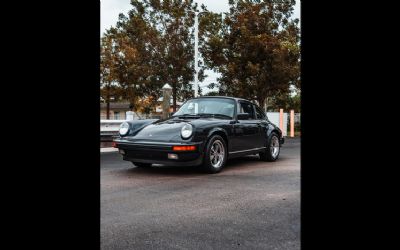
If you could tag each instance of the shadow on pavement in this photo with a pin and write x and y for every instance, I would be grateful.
(245, 162)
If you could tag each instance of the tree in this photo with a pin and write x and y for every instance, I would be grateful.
(255, 48)
(212, 93)
(108, 86)
(286, 101)
(175, 49)
(134, 42)
(155, 43)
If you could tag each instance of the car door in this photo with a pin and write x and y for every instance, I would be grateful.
(246, 132)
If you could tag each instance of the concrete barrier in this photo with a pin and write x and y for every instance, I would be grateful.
(108, 130)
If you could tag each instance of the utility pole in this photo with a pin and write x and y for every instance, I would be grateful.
(196, 50)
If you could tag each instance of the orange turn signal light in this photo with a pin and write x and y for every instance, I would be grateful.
(184, 148)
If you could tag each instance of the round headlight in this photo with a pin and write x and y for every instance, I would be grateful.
(124, 128)
(186, 131)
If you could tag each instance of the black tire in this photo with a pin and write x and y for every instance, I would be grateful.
(141, 164)
(267, 154)
(210, 165)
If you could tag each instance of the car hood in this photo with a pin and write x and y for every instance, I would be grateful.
(168, 130)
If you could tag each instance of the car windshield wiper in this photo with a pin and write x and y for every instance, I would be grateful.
(215, 115)
(188, 115)
(204, 115)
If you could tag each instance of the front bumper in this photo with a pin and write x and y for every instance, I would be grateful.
(157, 152)
(282, 140)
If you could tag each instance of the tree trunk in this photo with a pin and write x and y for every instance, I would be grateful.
(174, 96)
(260, 102)
(266, 104)
(108, 103)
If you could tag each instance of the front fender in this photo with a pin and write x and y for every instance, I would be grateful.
(136, 125)
(213, 130)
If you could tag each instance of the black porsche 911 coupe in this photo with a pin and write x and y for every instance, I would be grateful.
(205, 131)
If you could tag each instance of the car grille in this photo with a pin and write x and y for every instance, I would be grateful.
(147, 154)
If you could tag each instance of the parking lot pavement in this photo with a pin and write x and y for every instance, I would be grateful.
(249, 205)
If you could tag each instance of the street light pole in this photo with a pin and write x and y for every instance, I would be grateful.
(196, 49)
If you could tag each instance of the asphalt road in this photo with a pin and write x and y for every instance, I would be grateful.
(249, 205)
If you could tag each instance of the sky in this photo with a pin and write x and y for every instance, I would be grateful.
(110, 9)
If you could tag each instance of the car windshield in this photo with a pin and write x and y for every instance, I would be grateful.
(216, 107)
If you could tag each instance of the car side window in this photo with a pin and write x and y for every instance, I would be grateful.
(260, 115)
(246, 107)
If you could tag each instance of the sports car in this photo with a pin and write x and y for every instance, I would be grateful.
(205, 131)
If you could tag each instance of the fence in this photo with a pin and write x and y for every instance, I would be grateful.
(109, 129)
(122, 117)
(274, 118)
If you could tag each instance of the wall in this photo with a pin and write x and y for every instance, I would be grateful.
(274, 118)
(122, 114)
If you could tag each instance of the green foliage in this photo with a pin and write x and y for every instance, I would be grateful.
(212, 93)
(286, 102)
(108, 87)
(255, 48)
(154, 44)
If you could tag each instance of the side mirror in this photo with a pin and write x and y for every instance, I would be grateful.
(243, 116)
(171, 114)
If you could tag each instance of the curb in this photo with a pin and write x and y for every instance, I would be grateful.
(108, 150)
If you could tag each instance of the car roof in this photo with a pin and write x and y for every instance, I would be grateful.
(226, 97)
